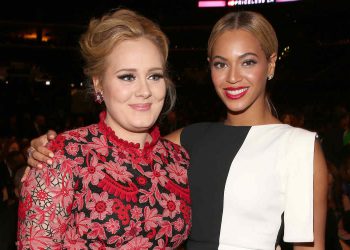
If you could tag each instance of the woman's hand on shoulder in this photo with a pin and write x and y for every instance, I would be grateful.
(38, 152)
(175, 136)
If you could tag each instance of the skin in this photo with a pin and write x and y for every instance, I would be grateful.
(238, 61)
(133, 89)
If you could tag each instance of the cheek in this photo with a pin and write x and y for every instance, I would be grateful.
(119, 94)
(159, 91)
(217, 77)
(257, 75)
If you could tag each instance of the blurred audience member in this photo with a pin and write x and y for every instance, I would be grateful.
(8, 146)
(293, 118)
(344, 220)
(332, 239)
(344, 229)
(13, 161)
(333, 139)
(8, 215)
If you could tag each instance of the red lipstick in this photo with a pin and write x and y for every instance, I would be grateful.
(235, 93)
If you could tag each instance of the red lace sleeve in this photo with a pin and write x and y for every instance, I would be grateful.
(45, 206)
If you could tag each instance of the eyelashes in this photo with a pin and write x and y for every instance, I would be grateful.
(127, 77)
(219, 65)
(132, 77)
(245, 63)
(156, 77)
(249, 62)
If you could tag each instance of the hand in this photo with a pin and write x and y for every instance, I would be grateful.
(38, 153)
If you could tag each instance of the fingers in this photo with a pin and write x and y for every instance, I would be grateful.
(36, 157)
(43, 154)
(39, 141)
(51, 135)
(25, 175)
(38, 153)
(33, 163)
(39, 145)
(30, 150)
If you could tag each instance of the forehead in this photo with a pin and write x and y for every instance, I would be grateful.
(237, 41)
(134, 52)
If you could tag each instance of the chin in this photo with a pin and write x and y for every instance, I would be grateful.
(142, 126)
(235, 108)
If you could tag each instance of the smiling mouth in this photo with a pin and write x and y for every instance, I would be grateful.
(141, 106)
(235, 93)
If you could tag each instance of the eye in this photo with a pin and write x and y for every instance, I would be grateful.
(219, 65)
(249, 62)
(156, 77)
(127, 77)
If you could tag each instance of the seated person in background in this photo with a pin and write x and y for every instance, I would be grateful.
(8, 215)
(344, 228)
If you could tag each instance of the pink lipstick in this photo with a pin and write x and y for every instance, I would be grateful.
(141, 106)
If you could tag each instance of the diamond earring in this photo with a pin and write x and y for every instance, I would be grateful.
(98, 97)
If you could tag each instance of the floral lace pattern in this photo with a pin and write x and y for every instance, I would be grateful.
(105, 193)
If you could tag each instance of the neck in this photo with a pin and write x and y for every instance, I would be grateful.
(258, 115)
(140, 137)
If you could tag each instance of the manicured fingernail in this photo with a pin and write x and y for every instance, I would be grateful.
(49, 161)
(51, 155)
(40, 165)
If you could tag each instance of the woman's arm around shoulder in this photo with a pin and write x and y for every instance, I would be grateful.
(175, 136)
(320, 201)
(41, 154)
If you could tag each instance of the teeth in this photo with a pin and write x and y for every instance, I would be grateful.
(236, 92)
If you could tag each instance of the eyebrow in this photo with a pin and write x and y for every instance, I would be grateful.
(135, 70)
(240, 57)
(155, 68)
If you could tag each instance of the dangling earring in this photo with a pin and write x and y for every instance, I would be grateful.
(270, 77)
(98, 97)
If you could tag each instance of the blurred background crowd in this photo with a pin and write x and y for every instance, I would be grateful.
(42, 87)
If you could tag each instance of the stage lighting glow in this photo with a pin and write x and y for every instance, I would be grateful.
(232, 3)
(206, 4)
(248, 2)
(284, 1)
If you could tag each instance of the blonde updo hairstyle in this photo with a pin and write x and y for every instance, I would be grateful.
(249, 21)
(105, 33)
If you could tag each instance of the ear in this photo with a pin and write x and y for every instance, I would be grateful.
(209, 63)
(97, 84)
(272, 64)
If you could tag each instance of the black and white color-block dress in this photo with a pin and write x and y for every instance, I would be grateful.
(242, 178)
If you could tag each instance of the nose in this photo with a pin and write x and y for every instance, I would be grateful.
(143, 89)
(233, 75)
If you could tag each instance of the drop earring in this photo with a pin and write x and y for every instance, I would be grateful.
(98, 97)
(270, 77)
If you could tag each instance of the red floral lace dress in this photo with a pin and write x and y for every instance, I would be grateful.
(104, 193)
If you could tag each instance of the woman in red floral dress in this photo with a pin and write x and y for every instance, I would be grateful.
(115, 184)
